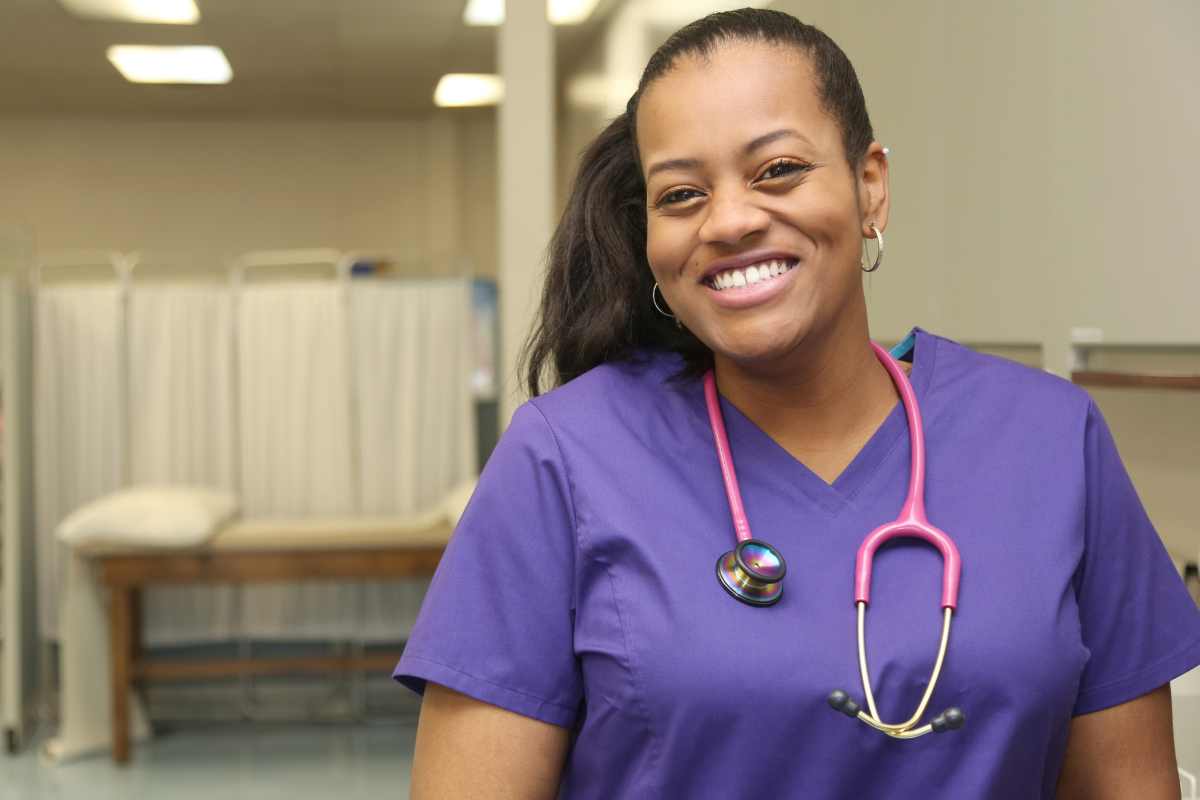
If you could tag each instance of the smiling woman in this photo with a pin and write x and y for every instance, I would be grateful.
(742, 197)
(705, 331)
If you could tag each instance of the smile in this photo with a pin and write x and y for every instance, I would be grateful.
(762, 272)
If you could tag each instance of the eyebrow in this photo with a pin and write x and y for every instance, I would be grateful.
(754, 144)
(773, 136)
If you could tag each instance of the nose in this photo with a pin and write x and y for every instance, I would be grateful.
(731, 217)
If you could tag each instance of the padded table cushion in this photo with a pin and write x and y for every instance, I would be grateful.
(279, 534)
(327, 533)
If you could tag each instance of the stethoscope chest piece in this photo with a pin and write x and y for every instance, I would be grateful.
(753, 572)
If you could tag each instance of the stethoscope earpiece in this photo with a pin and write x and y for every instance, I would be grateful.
(949, 720)
(841, 702)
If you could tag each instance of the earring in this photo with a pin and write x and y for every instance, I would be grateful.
(878, 256)
(654, 291)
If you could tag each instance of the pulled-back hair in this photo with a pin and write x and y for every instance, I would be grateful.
(595, 304)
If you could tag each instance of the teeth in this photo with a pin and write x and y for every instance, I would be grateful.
(748, 276)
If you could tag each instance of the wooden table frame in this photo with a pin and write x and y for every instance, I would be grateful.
(126, 575)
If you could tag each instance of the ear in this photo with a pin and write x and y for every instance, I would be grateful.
(874, 198)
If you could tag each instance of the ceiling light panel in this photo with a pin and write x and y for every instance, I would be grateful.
(167, 12)
(190, 64)
(484, 12)
(569, 12)
(559, 12)
(463, 89)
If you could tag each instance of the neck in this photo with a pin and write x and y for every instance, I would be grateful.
(821, 403)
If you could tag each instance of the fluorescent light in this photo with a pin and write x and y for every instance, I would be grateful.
(151, 64)
(569, 12)
(461, 89)
(484, 12)
(170, 12)
(559, 12)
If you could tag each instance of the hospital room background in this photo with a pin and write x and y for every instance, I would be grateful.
(259, 324)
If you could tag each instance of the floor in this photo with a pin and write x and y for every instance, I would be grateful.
(231, 761)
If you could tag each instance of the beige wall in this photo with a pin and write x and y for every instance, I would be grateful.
(202, 191)
(477, 187)
(1158, 435)
(1040, 165)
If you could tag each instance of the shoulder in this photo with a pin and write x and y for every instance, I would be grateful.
(966, 380)
(614, 389)
(620, 408)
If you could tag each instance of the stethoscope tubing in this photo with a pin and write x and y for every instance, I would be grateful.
(741, 525)
(753, 587)
(911, 522)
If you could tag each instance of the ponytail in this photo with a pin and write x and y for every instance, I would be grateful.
(595, 304)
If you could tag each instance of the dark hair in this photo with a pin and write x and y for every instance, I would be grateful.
(595, 304)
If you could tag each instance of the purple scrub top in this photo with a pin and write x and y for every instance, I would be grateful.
(579, 588)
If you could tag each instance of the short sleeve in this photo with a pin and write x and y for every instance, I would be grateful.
(497, 623)
(1138, 621)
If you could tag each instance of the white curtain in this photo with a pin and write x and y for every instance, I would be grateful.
(412, 357)
(309, 398)
(180, 347)
(79, 418)
(295, 436)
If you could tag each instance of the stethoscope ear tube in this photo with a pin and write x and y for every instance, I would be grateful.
(950, 719)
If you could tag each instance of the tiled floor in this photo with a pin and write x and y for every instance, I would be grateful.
(231, 761)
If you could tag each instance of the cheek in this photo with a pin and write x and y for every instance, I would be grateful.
(829, 218)
(666, 249)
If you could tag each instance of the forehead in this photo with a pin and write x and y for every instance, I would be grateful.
(738, 92)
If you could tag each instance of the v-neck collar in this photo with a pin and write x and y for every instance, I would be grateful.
(772, 461)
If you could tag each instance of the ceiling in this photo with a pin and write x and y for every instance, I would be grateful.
(320, 58)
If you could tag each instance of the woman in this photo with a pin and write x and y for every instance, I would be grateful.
(576, 638)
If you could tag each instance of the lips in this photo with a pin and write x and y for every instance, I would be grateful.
(752, 285)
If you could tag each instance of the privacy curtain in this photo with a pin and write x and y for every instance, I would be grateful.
(79, 418)
(412, 357)
(308, 398)
(181, 429)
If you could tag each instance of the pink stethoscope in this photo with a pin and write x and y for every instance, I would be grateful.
(753, 572)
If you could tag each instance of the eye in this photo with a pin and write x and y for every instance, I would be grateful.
(782, 168)
(676, 197)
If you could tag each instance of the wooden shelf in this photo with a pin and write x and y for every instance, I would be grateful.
(1132, 380)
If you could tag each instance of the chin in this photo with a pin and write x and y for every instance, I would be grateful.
(755, 349)
(761, 337)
